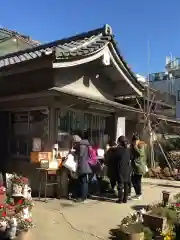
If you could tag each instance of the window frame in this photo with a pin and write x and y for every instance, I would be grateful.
(29, 110)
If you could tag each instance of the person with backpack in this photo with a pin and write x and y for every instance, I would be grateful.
(95, 167)
(83, 169)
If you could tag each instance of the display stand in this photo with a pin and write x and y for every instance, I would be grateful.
(43, 180)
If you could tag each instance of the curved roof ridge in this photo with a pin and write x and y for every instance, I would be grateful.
(22, 37)
(106, 30)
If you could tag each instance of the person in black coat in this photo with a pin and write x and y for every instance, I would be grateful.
(123, 168)
(111, 164)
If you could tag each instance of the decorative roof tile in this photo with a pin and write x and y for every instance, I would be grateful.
(5, 33)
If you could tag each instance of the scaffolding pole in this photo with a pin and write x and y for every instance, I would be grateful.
(150, 134)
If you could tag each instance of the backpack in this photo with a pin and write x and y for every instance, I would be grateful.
(92, 160)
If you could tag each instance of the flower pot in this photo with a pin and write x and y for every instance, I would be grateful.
(27, 192)
(131, 232)
(177, 230)
(154, 222)
(10, 211)
(133, 236)
(17, 190)
(25, 213)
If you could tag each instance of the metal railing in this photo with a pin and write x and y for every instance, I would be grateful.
(173, 65)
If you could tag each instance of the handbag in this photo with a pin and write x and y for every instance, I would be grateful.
(70, 163)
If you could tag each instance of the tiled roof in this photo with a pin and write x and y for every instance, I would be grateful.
(9, 34)
(75, 47)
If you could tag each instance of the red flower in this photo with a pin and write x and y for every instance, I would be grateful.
(24, 180)
(1, 206)
(2, 189)
(20, 201)
(3, 214)
(177, 204)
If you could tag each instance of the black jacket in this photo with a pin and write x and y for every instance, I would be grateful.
(123, 164)
(110, 161)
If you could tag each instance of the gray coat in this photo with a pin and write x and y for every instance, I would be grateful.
(83, 156)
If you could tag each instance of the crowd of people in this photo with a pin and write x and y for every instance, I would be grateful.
(125, 163)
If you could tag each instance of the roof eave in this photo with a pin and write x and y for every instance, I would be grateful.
(117, 62)
(114, 47)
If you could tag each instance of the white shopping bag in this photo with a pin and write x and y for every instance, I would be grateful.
(70, 163)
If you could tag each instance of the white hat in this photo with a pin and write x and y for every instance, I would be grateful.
(76, 138)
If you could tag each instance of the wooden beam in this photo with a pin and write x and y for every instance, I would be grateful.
(28, 96)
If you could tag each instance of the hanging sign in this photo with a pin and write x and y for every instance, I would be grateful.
(36, 146)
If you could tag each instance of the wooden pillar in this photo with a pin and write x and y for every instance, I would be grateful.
(62, 174)
(52, 126)
(120, 126)
(115, 126)
(110, 127)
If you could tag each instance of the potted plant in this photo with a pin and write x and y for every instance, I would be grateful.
(24, 224)
(132, 232)
(159, 218)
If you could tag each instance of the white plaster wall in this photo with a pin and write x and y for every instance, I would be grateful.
(163, 86)
(78, 83)
(170, 86)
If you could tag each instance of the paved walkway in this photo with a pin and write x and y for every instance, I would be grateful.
(93, 220)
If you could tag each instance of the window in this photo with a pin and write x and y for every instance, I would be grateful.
(19, 137)
(26, 126)
(38, 126)
(72, 122)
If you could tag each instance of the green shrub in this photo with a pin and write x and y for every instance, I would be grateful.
(148, 234)
(177, 197)
(171, 215)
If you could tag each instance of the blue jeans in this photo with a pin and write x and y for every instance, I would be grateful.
(83, 183)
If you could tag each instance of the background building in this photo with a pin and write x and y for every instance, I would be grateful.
(169, 80)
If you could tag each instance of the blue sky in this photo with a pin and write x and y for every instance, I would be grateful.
(133, 23)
